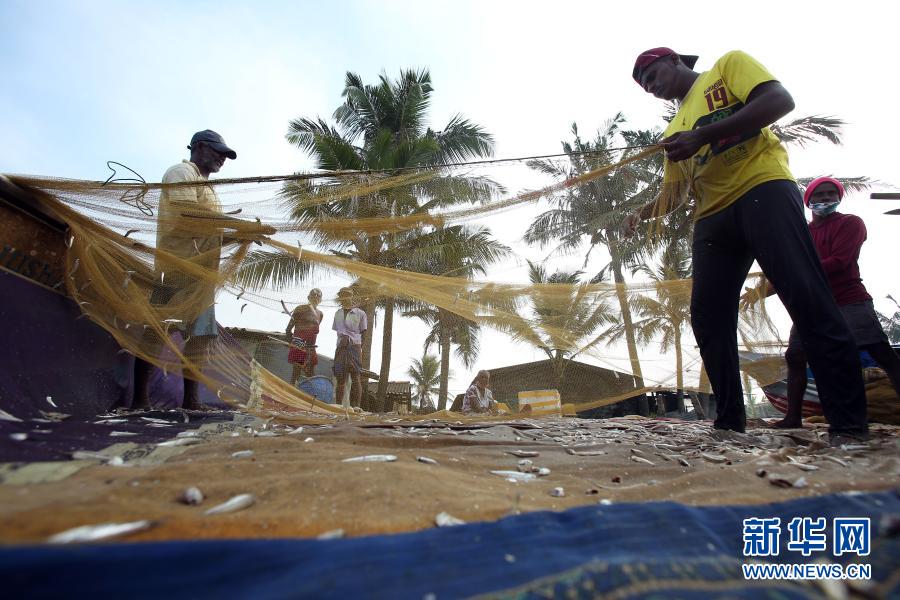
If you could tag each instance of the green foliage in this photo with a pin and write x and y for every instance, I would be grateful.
(425, 376)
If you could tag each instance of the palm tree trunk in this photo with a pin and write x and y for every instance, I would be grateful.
(386, 341)
(679, 369)
(559, 366)
(445, 359)
(705, 390)
(616, 261)
(371, 254)
(368, 308)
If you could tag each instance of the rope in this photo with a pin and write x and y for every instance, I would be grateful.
(352, 173)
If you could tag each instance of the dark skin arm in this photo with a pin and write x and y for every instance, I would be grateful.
(767, 103)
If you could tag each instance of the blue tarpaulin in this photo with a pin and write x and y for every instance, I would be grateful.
(654, 549)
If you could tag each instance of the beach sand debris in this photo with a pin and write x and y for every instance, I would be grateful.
(115, 461)
(234, 504)
(122, 433)
(96, 533)
(191, 496)
(804, 466)
(642, 460)
(51, 402)
(714, 458)
(524, 453)
(543, 472)
(447, 520)
(574, 452)
(5, 416)
(242, 454)
(784, 481)
(426, 460)
(19, 437)
(53, 417)
(188, 441)
(90, 455)
(371, 458)
(332, 534)
(515, 476)
(558, 492)
(836, 460)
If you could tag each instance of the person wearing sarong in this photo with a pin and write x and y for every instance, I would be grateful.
(350, 323)
(302, 330)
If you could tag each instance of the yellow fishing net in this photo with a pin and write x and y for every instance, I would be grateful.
(400, 247)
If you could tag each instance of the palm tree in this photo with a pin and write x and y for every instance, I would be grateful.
(593, 212)
(425, 375)
(456, 251)
(448, 330)
(378, 127)
(560, 318)
(665, 314)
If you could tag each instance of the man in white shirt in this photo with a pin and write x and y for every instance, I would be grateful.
(478, 398)
(179, 235)
(350, 323)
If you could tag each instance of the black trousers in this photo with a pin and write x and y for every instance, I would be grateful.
(767, 224)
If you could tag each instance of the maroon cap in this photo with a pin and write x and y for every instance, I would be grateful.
(648, 57)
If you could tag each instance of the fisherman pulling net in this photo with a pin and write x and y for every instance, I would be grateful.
(155, 299)
(145, 261)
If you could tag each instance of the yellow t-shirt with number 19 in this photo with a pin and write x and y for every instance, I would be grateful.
(721, 172)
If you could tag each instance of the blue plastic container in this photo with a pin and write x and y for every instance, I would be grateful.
(319, 387)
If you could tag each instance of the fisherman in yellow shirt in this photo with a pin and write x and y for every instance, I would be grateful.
(748, 207)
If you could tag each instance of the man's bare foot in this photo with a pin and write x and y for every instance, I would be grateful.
(787, 423)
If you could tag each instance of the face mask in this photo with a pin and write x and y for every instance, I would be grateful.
(822, 209)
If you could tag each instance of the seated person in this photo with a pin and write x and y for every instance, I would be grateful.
(478, 398)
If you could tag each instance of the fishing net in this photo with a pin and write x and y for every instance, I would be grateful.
(406, 239)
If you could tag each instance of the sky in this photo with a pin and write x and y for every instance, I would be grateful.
(90, 81)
